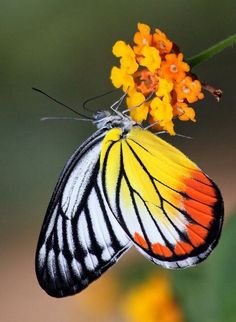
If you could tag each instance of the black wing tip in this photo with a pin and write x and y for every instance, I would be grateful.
(78, 285)
(64, 293)
(56, 291)
(69, 290)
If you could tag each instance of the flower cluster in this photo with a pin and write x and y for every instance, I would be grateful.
(157, 80)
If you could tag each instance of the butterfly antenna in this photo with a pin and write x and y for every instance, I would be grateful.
(66, 106)
(115, 106)
(184, 136)
(177, 134)
(49, 118)
(85, 103)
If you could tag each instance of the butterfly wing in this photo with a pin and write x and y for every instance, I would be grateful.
(171, 210)
(80, 238)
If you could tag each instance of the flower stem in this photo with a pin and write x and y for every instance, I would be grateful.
(212, 51)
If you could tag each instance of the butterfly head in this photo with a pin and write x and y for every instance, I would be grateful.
(105, 119)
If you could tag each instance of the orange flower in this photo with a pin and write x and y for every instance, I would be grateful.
(184, 112)
(173, 68)
(189, 90)
(146, 82)
(142, 37)
(161, 42)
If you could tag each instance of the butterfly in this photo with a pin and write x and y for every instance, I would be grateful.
(123, 187)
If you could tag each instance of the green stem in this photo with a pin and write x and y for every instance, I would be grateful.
(212, 51)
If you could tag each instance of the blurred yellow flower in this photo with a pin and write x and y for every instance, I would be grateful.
(152, 301)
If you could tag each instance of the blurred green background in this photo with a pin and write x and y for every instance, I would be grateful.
(64, 48)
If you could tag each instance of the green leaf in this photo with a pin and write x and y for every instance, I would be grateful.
(212, 51)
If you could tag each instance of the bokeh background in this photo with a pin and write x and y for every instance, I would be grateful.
(64, 48)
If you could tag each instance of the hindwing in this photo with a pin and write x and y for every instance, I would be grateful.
(80, 237)
(171, 210)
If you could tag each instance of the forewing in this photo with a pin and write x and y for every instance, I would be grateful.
(170, 209)
(80, 237)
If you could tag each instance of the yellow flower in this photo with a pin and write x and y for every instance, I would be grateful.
(152, 58)
(162, 112)
(152, 301)
(138, 107)
(169, 127)
(129, 64)
(120, 77)
(120, 49)
(164, 88)
(127, 61)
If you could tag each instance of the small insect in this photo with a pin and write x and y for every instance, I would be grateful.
(125, 187)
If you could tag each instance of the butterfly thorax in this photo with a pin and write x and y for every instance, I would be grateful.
(104, 119)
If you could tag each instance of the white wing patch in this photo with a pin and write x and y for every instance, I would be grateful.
(83, 232)
(74, 190)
